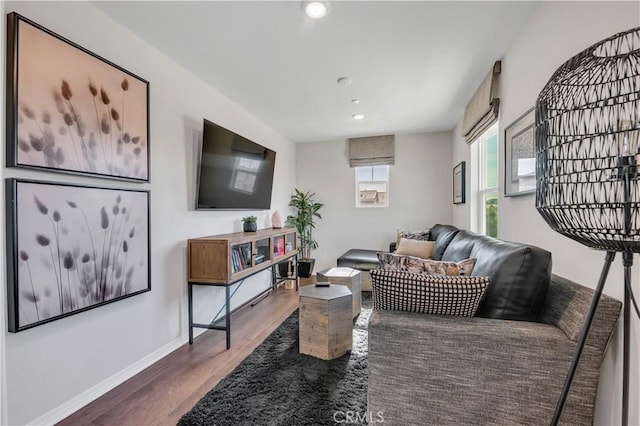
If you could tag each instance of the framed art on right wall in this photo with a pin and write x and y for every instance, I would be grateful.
(519, 157)
(458, 183)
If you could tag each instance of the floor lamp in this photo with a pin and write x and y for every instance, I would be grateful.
(588, 167)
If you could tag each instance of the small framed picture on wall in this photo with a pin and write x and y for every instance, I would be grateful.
(458, 183)
(520, 158)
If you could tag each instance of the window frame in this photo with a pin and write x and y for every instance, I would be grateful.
(485, 192)
(372, 184)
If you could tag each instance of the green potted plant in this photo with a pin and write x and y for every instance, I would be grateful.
(307, 209)
(250, 224)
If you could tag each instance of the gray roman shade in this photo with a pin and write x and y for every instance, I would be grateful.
(372, 151)
(482, 110)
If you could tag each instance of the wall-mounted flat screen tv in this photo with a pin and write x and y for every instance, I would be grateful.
(235, 173)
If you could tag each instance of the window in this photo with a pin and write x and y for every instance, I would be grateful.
(372, 186)
(487, 194)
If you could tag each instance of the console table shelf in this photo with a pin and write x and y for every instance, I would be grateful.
(226, 259)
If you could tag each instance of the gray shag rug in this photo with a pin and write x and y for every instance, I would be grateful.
(276, 385)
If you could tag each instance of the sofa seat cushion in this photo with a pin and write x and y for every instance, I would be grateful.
(361, 259)
(441, 370)
(519, 273)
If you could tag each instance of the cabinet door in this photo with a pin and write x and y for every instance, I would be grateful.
(262, 250)
(290, 242)
(241, 257)
(278, 245)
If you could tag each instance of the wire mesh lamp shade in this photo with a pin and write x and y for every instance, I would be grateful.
(588, 148)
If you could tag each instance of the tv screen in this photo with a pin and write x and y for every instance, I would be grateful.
(235, 173)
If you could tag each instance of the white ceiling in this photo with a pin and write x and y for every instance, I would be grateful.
(414, 65)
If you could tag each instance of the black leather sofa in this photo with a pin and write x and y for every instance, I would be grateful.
(519, 273)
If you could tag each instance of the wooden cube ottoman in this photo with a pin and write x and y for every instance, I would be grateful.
(325, 321)
(348, 277)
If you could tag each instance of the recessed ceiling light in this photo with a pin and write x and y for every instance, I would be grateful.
(355, 101)
(315, 9)
(345, 81)
(358, 116)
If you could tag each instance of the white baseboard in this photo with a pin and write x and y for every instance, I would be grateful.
(65, 410)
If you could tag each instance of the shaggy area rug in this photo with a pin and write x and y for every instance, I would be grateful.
(276, 385)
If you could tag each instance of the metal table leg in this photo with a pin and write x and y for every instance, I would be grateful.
(190, 313)
(228, 315)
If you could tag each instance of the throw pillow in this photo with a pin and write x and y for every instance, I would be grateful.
(428, 294)
(422, 235)
(417, 248)
(441, 267)
(397, 262)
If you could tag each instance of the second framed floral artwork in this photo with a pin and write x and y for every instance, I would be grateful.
(72, 248)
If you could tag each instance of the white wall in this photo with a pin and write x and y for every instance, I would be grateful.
(420, 193)
(556, 32)
(54, 369)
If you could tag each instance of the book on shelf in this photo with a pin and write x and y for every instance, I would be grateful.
(235, 260)
(246, 255)
(278, 249)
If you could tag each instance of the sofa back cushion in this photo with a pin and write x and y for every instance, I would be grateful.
(442, 235)
(519, 273)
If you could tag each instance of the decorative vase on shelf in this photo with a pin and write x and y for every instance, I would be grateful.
(276, 221)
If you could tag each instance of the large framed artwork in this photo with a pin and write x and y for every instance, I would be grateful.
(69, 110)
(71, 248)
(520, 158)
(459, 183)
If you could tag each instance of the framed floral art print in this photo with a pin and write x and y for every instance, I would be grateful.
(69, 110)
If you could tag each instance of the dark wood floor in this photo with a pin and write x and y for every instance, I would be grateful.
(163, 392)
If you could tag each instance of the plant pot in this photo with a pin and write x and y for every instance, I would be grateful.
(305, 267)
(250, 226)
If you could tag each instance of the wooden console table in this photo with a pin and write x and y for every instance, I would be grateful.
(224, 260)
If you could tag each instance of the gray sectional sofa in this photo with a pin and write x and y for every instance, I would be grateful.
(506, 365)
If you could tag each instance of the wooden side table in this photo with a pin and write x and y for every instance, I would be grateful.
(325, 321)
(347, 277)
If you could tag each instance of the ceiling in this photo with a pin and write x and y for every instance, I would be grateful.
(413, 65)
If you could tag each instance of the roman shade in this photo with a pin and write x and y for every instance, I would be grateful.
(482, 110)
(372, 151)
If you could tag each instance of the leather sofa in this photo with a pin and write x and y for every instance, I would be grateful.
(507, 364)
